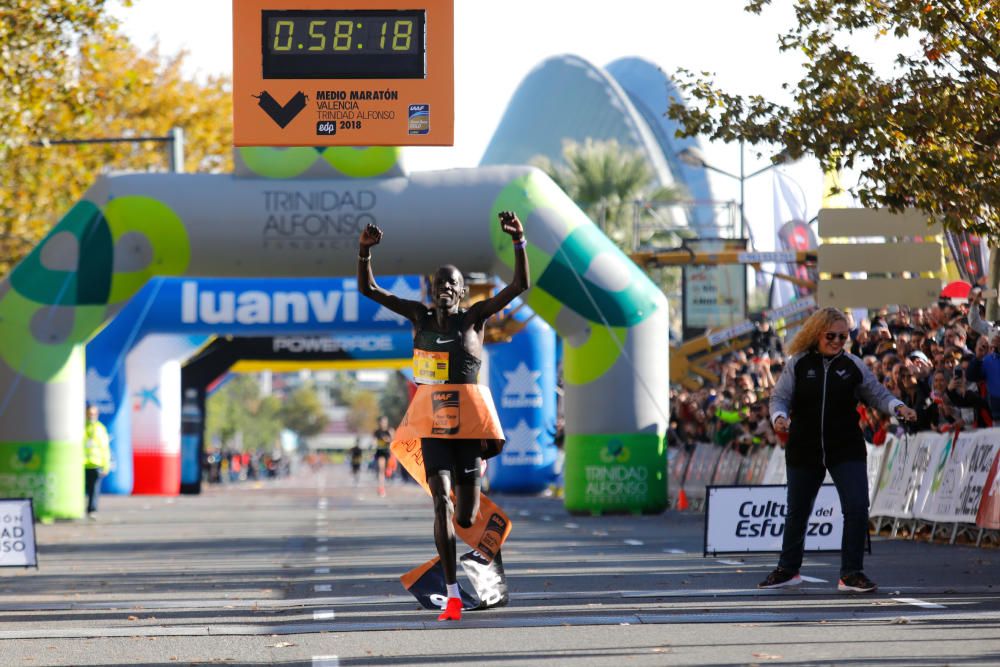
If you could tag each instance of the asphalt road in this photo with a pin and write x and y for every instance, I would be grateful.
(304, 571)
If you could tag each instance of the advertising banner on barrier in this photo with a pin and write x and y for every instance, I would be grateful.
(728, 468)
(989, 506)
(954, 484)
(939, 452)
(742, 519)
(17, 533)
(753, 470)
(906, 462)
(875, 460)
(700, 470)
(775, 472)
(677, 464)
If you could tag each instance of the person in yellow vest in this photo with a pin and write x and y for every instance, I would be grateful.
(96, 458)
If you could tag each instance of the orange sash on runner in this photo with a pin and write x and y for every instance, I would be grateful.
(490, 527)
(454, 411)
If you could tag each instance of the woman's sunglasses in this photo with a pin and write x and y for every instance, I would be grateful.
(831, 336)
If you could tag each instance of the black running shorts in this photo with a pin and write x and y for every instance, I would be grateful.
(459, 457)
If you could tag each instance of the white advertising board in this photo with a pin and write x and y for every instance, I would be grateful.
(875, 460)
(953, 485)
(714, 296)
(776, 472)
(741, 519)
(17, 533)
(906, 461)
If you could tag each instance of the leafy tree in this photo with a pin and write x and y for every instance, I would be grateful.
(75, 77)
(344, 387)
(605, 180)
(395, 398)
(35, 38)
(925, 137)
(364, 411)
(239, 408)
(303, 413)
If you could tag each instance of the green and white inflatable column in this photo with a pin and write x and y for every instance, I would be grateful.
(87, 267)
(614, 322)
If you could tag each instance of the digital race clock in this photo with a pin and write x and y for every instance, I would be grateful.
(360, 44)
(343, 72)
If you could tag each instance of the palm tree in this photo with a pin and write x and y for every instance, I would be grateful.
(605, 180)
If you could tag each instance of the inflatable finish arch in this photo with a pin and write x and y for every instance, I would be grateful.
(219, 356)
(129, 228)
(207, 306)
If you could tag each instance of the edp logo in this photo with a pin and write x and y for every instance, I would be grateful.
(326, 127)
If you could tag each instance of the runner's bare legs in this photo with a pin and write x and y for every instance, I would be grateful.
(444, 511)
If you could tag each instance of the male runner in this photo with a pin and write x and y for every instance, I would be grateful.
(455, 416)
(356, 455)
(383, 438)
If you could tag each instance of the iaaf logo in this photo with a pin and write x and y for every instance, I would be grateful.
(259, 307)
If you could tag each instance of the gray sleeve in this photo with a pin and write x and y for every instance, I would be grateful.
(872, 391)
(978, 325)
(781, 396)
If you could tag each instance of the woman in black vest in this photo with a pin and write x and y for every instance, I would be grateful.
(816, 403)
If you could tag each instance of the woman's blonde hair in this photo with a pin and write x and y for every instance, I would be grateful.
(817, 324)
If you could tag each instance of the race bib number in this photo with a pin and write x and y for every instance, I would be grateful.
(430, 367)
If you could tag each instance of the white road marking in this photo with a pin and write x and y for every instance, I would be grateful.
(730, 562)
(321, 539)
(921, 603)
(634, 543)
(425, 622)
(674, 551)
(321, 570)
(325, 661)
(325, 615)
(323, 588)
(322, 558)
(322, 550)
(571, 525)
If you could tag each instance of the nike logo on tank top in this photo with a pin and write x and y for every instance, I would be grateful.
(440, 357)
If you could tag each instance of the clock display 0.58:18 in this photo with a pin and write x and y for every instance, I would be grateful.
(371, 35)
(343, 43)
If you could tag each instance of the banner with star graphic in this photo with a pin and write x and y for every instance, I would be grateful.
(522, 375)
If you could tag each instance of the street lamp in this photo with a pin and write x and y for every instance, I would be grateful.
(175, 138)
(694, 157)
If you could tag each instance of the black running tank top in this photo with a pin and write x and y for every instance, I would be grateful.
(440, 356)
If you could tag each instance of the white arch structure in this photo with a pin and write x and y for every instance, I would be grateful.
(612, 318)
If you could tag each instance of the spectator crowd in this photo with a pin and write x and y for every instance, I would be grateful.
(942, 361)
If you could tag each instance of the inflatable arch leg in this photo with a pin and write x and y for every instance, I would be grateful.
(522, 378)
